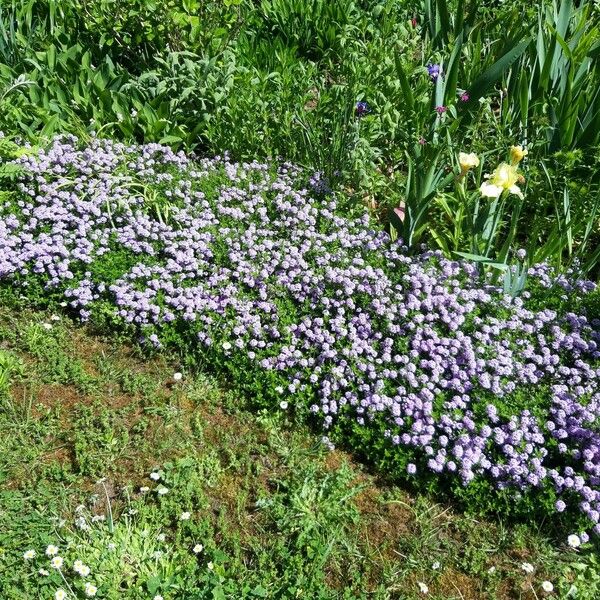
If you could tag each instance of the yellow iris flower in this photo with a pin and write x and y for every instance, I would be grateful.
(517, 154)
(504, 178)
(467, 161)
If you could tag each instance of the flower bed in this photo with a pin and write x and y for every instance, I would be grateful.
(412, 358)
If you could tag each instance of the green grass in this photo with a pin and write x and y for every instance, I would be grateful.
(84, 421)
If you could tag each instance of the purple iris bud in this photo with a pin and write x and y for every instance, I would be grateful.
(362, 109)
(434, 71)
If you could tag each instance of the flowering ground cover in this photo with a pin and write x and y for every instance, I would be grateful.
(414, 361)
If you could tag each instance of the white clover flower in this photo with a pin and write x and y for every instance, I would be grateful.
(157, 554)
(197, 548)
(527, 567)
(158, 597)
(90, 589)
(57, 562)
(574, 541)
(144, 489)
(177, 376)
(423, 587)
(55, 318)
(97, 518)
(47, 326)
(29, 554)
(161, 537)
(51, 550)
(162, 491)
(547, 586)
(60, 594)
(185, 516)
(44, 573)
(80, 508)
(155, 475)
(436, 565)
(279, 389)
(226, 346)
(210, 566)
(283, 405)
(491, 570)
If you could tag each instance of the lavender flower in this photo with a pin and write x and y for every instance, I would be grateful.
(256, 269)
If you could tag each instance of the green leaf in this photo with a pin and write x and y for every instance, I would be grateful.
(492, 75)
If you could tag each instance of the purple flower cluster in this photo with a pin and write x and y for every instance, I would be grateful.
(470, 382)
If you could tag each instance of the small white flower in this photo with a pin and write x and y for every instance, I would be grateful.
(210, 566)
(51, 550)
(29, 554)
(574, 541)
(60, 594)
(226, 346)
(177, 376)
(283, 405)
(81, 568)
(80, 508)
(185, 516)
(161, 537)
(90, 590)
(279, 389)
(55, 318)
(198, 548)
(112, 546)
(56, 562)
(44, 573)
(491, 570)
(157, 554)
(547, 586)
(527, 567)
(162, 491)
(158, 597)
(436, 565)
(155, 476)
(423, 587)
(63, 304)
(47, 326)
(144, 489)
(97, 518)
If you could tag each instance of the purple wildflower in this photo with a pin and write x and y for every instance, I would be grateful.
(362, 109)
(434, 71)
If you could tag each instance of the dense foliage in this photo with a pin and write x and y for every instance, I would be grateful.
(378, 96)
